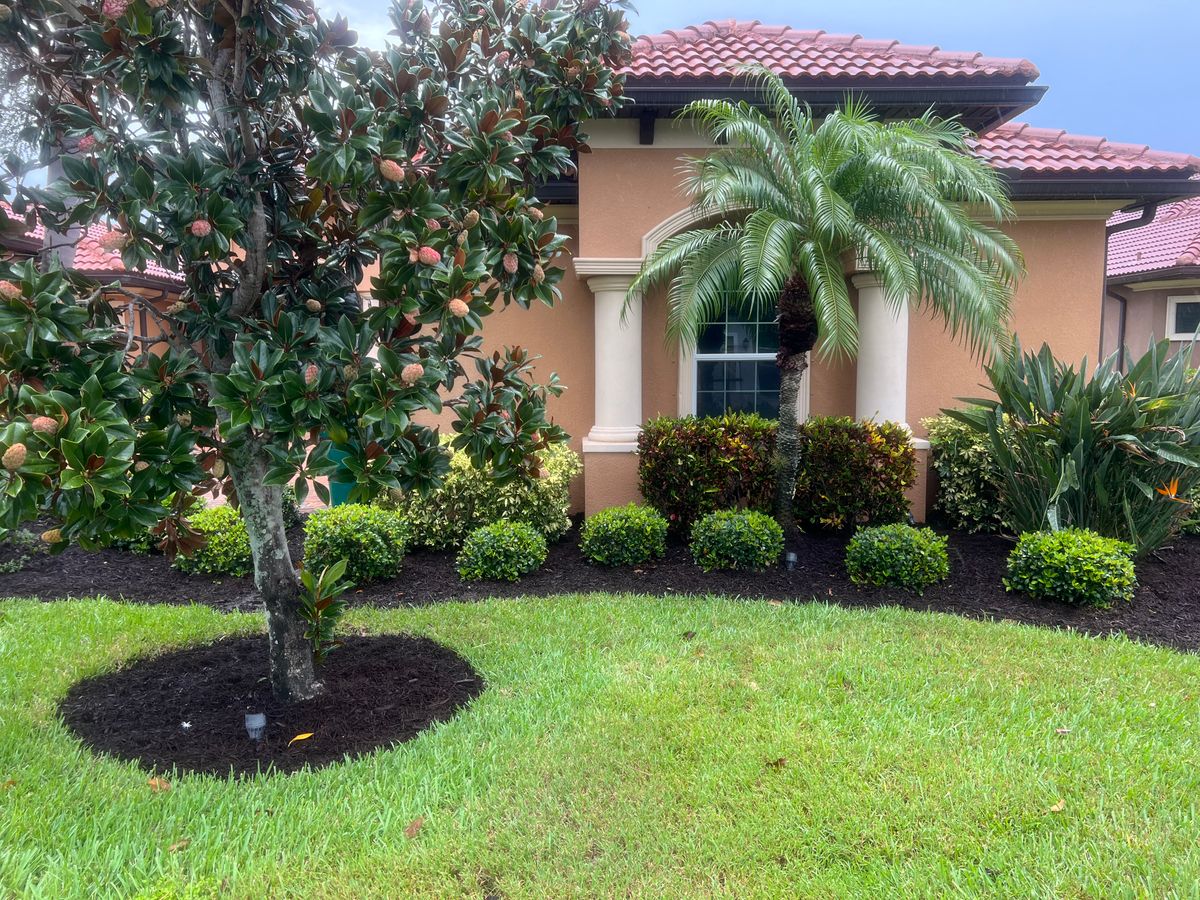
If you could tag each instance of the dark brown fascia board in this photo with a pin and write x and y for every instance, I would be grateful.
(1137, 187)
(1175, 272)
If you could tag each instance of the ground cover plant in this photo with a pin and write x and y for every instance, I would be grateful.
(269, 160)
(643, 746)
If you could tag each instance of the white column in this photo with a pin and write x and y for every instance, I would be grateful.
(882, 390)
(618, 366)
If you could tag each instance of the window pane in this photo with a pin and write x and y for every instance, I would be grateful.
(768, 338)
(710, 376)
(739, 376)
(712, 338)
(1187, 317)
(739, 338)
(767, 404)
(740, 401)
(768, 376)
(710, 403)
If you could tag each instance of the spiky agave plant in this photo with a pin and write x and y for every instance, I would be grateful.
(791, 197)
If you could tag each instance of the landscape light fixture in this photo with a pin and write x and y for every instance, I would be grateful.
(791, 559)
(256, 724)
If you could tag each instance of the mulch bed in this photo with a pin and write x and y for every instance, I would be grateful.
(186, 709)
(1165, 611)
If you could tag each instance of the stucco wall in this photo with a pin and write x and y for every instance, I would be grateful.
(1057, 302)
(1145, 320)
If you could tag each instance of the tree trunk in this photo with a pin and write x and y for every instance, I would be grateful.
(787, 440)
(292, 675)
(797, 336)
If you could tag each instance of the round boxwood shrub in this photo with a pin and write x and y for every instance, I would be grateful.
(226, 549)
(736, 539)
(1074, 565)
(502, 551)
(897, 556)
(624, 536)
(371, 539)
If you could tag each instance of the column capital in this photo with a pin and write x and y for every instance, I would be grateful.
(608, 284)
(866, 280)
(587, 266)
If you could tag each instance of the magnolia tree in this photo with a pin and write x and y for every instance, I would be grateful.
(252, 147)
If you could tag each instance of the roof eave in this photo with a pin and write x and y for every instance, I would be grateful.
(1167, 274)
(1133, 187)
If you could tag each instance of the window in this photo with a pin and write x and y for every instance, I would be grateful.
(735, 367)
(1183, 317)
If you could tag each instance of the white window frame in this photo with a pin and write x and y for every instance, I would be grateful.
(1172, 305)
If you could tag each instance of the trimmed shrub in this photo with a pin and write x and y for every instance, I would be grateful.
(371, 539)
(624, 536)
(502, 551)
(736, 539)
(897, 555)
(853, 473)
(143, 543)
(1073, 565)
(968, 479)
(471, 497)
(226, 550)
(691, 466)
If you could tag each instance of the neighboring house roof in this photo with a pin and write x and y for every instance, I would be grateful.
(716, 49)
(92, 258)
(1170, 241)
(1024, 148)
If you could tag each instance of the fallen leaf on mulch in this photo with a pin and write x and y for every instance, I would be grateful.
(777, 763)
(301, 737)
(181, 844)
(413, 827)
(158, 785)
(1059, 806)
(775, 602)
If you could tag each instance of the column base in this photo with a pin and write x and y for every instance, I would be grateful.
(610, 475)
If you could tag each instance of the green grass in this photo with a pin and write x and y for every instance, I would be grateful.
(611, 757)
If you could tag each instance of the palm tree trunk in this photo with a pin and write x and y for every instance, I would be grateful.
(292, 675)
(787, 439)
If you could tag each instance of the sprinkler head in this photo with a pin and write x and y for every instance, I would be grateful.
(256, 724)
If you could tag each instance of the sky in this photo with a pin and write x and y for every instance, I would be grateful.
(1122, 69)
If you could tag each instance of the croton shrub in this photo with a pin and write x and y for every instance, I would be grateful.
(694, 465)
(851, 473)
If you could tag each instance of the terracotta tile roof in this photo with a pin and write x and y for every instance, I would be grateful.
(715, 49)
(92, 258)
(1022, 147)
(1170, 241)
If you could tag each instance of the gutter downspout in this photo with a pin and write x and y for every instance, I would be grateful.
(1149, 211)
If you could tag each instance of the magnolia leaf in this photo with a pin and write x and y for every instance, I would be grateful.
(1059, 806)
(181, 844)
(158, 785)
(300, 737)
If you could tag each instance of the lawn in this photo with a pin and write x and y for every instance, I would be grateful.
(646, 747)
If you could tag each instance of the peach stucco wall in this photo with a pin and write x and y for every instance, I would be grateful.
(1057, 302)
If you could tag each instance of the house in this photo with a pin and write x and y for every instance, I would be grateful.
(1153, 289)
(627, 199)
(85, 250)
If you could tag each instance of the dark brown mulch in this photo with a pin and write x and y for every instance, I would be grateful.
(1165, 611)
(186, 709)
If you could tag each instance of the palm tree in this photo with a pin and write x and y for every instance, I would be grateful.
(793, 196)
